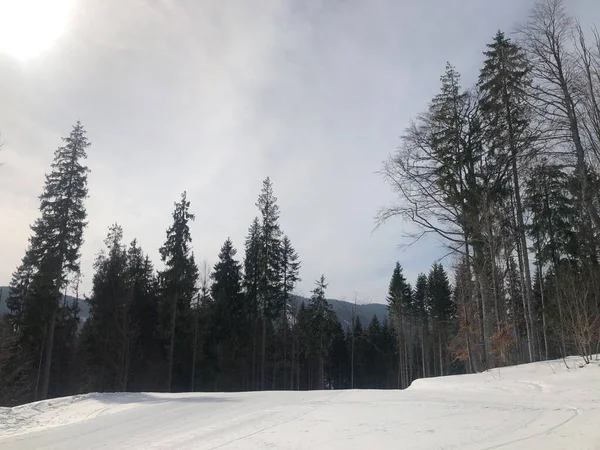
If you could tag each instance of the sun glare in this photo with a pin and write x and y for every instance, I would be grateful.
(29, 27)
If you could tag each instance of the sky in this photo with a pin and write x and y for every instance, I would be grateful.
(212, 96)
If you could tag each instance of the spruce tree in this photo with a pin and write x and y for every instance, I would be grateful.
(360, 354)
(290, 268)
(505, 85)
(442, 310)
(322, 322)
(143, 318)
(399, 304)
(269, 287)
(18, 289)
(339, 359)
(251, 285)
(374, 356)
(422, 316)
(108, 313)
(178, 282)
(305, 351)
(230, 321)
(20, 363)
(389, 349)
(53, 254)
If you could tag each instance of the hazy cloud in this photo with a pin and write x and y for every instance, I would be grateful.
(212, 96)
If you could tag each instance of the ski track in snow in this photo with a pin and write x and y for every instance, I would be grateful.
(532, 406)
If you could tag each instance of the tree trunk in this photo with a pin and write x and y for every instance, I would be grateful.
(194, 349)
(293, 358)
(263, 356)
(254, 332)
(40, 364)
(544, 327)
(483, 303)
(48, 356)
(423, 352)
(274, 371)
(401, 350)
(525, 254)
(172, 342)
(440, 350)
(399, 369)
(285, 356)
(471, 293)
(298, 368)
(352, 355)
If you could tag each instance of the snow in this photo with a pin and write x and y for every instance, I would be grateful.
(533, 406)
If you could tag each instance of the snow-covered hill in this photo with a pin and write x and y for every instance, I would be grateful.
(533, 406)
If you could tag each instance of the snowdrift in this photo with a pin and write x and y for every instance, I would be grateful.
(541, 405)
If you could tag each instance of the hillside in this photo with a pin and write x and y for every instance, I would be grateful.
(83, 306)
(533, 406)
(343, 309)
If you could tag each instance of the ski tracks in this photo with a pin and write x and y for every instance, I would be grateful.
(317, 404)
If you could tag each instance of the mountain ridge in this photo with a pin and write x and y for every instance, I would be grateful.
(343, 309)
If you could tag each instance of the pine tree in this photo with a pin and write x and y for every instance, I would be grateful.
(108, 313)
(421, 315)
(399, 303)
(322, 322)
(53, 254)
(389, 349)
(178, 282)
(442, 310)
(304, 351)
(230, 322)
(290, 268)
(251, 285)
(269, 286)
(20, 361)
(505, 85)
(360, 354)
(19, 287)
(143, 346)
(374, 355)
(340, 359)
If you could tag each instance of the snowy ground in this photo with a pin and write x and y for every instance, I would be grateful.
(533, 406)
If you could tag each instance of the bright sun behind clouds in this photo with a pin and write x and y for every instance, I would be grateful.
(29, 27)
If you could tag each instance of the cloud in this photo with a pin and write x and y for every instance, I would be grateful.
(211, 97)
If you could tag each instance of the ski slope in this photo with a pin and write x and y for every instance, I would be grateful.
(532, 406)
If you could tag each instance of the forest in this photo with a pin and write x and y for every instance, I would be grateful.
(504, 173)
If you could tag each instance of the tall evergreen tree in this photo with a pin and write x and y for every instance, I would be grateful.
(269, 287)
(178, 280)
(251, 286)
(505, 85)
(322, 323)
(108, 313)
(230, 322)
(399, 303)
(53, 254)
(290, 268)
(142, 343)
(422, 317)
(442, 309)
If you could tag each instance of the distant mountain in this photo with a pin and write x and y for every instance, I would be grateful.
(343, 309)
(364, 312)
(83, 305)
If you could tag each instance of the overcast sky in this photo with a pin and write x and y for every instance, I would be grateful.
(212, 96)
